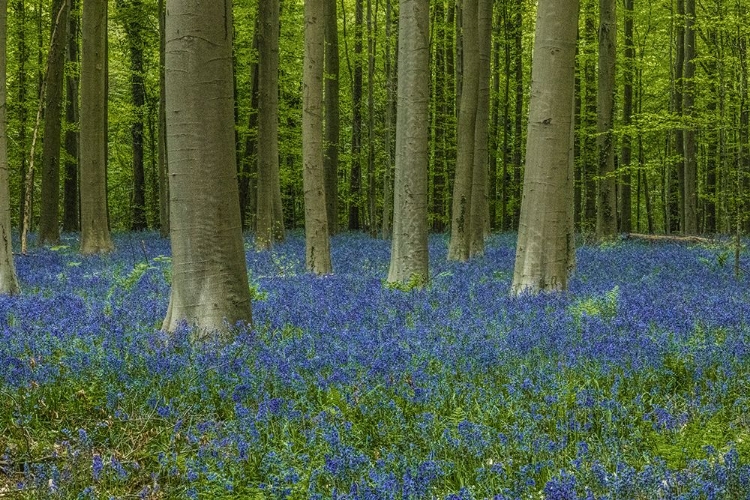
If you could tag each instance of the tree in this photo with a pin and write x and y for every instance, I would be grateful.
(479, 188)
(606, 209)
(209, 277)
(270, 223)
(332, 125)
(95, 237)
(409, 256)
(163, 160)
(459, 246)
(545, 249)
(49, 227)
(355, 173)
(689, 192)
(627, 120)
(70, 182)
(133, 19)
(8, 281)
(318, 253)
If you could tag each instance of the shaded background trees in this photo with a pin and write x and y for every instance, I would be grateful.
(679, 154)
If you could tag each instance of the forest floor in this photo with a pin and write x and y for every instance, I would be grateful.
(635, 384)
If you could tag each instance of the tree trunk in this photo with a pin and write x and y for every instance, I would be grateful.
(163, 159)
(8, 281)
(248, 175)
(318, 252)
(519, 114)
(627, 120)
(495, 132)
(409, 254)
(479, 188)
(70, 184)
(440, 122)
(209, 278)
(355, 173)
(49, 225)
(332, 121)
(676, 205)
(270, 225)
(606, 209)
(134, 32)
(589, 163)
(545, 251)
(95, 237)
(460, 241)
(690, 192)
(372, 27)
(19, 9)
(390, 116)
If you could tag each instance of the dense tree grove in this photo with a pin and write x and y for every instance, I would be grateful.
(660, 107)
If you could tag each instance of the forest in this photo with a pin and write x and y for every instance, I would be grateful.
(374, 249)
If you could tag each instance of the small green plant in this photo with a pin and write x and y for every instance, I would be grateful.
(604, 306)
(416, 281)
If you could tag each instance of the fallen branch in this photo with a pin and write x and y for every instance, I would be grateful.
(667, 238)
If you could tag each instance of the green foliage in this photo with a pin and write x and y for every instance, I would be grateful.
(604, 306)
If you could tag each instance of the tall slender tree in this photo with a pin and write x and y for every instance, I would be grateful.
(8, 281)
(545, 249)
(459, 246)
(49, 221)
(332, 118)
(318, 253)
(163, 159)
(209, 277)
(690, 192)
(390, 116)
(133, 19)
(270, 223)
(72, 84)
(95, 237)
(355, 172)
(479, 188)
(627, 120)
(606, 209)
(409, 255)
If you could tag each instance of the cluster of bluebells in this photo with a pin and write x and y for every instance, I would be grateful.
(631, 385)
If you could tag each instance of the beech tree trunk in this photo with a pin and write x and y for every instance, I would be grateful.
(460, 241)
(606, 210)
(134, 30)
(95, 237)
(19, 9)
(690, 191)
(332, 125)
(545, 250)
(318, 252)
(163, 159)
(209, 278)
(49, 221)
(627, 119)
(409, 255)
(479, 188)
(70, 182)
(355, 172)
(8, 281)
(390, 116)
(270, 223)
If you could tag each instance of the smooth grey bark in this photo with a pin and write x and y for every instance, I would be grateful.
(70, 183)
(8, 280)
(270, 223)
(545, 249)
(606, 210)
(479, 188)
(460, 241)
(390, 116)
(209, 277)
(162, 151)
(332, 116)
(690, 193)
(409, 255)
(95, 237)
(317, 245)
(627, 120)
(49, 220)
